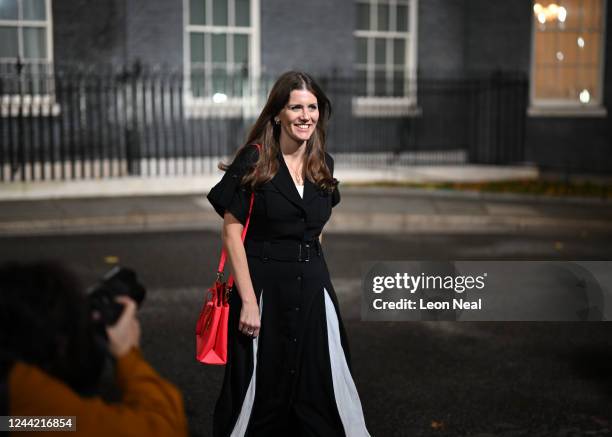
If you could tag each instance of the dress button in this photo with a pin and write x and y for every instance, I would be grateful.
(292, 371)
(297, 308)
(295, 339)
(299, 278)
(303, 219)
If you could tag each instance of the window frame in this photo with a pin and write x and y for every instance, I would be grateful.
(390, 106)
(204, 107)
(12, 105)
(564, 107)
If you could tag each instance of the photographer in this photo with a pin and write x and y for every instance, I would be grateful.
(52, 363)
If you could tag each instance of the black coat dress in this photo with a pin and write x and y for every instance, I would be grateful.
(302, 383)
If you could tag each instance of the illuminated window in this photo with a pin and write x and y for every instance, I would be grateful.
(567, 54)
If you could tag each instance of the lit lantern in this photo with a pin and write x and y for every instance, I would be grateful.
(552, 12)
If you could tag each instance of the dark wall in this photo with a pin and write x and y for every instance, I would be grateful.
(464, 36)
(570, 144)
(87, 31)
(155, 32)
(116, 31)
(608, 55)
(498, 34)
(316, 37)
(441, 33)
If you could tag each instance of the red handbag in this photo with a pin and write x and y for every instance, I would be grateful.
(211, 329)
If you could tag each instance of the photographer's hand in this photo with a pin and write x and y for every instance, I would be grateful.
(125, 334)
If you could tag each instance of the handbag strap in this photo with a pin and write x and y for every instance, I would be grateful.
(230, 280)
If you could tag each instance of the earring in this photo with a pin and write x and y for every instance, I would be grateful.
(276, 121)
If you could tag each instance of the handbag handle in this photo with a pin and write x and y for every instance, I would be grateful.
(221, 267)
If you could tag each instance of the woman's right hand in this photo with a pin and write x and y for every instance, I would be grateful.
(249, 319)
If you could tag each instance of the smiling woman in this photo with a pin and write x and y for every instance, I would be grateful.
(297, 121)
(299, 117)
(288, 368)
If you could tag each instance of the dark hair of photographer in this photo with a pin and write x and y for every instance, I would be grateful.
(44, 321)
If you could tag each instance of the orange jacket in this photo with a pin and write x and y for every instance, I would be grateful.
(150, 406)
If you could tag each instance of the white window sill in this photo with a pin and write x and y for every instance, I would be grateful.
(230, 108)
(28, 106)
(567, 111)
(382, 107)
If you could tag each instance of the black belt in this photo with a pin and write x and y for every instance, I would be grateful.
(283, 250)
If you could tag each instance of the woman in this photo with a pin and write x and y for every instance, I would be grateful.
(287, 370)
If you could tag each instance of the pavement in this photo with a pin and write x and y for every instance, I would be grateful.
(137, 204)
(370, 210)
(93, 185)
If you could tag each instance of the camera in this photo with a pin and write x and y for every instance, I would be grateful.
(119, 281)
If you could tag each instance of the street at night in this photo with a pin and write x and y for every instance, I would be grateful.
(414, 378)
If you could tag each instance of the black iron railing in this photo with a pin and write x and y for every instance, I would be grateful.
(99, 122)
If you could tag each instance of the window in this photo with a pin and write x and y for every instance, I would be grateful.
(221, 50)
(567, 60)
(385, 53)
(26, 55)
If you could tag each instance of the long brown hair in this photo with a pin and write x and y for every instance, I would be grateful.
(267, 133)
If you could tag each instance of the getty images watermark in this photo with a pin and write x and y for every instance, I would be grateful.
(487, 290)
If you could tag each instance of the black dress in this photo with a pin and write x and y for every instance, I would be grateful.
(302, 383)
